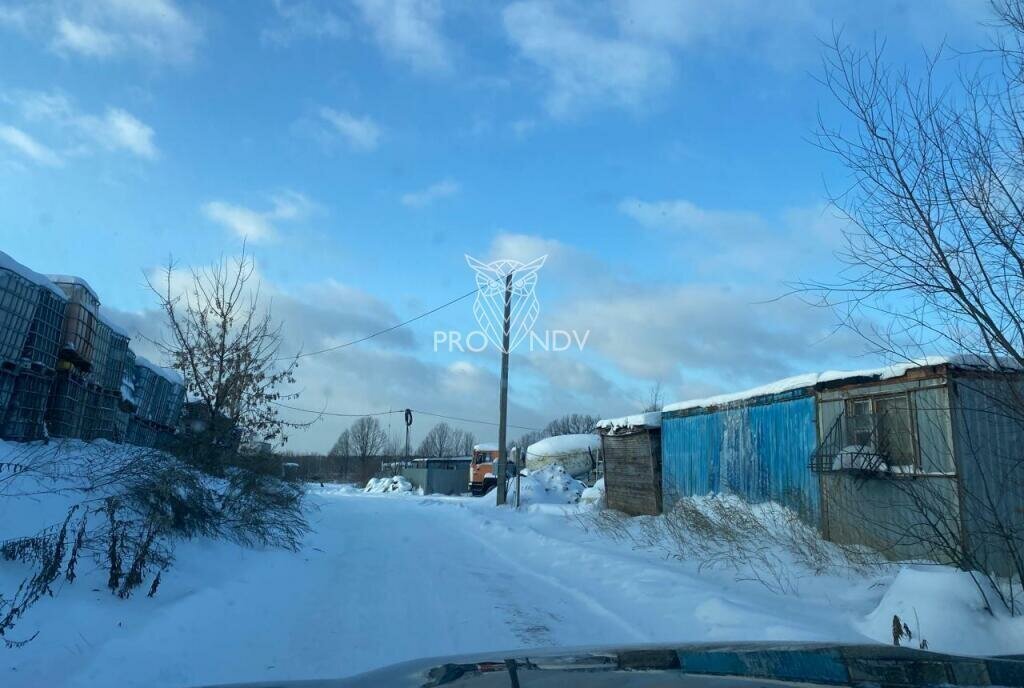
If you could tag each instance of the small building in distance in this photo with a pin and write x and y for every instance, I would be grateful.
(631, 452)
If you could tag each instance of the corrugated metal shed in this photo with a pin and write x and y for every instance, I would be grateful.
(756, 448)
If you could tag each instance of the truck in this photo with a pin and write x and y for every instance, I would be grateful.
(483, 469)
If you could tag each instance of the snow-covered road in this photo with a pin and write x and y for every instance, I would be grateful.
(385, 578)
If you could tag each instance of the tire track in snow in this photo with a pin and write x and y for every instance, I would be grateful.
(585, 601)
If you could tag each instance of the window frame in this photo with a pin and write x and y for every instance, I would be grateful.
(876, 432)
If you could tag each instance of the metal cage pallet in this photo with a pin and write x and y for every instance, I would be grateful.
(44, 335)
(67, 403)
(117, 358)
(98, 421)
(18, 299)
(7, 380)
(25, 419)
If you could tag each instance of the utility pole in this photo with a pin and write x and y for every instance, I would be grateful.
(503, 399)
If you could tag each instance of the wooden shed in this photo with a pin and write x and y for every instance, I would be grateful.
(631, 448)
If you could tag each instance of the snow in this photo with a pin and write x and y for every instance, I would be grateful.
(72, 279)
(576, 453)
(943, 606)
(594, 496)
(167, 373)
(8, 263)
(105, 319)
(650, 419)
(389, 577)
(811, 379)
(393, 484)
(549, 485)
(564, 444)
(486, 447)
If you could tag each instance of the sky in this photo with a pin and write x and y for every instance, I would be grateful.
(659, 153)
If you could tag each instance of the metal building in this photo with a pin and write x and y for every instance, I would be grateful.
(439, 476)
(756, 445)
(918, 461)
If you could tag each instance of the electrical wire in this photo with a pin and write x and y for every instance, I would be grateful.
(379, 332)
(336, 414)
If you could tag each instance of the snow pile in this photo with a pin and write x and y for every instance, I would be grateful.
(594, 496)
(549, 485)
(395, 483)
(944, 606)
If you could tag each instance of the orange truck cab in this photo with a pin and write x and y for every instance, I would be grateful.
(483, 470)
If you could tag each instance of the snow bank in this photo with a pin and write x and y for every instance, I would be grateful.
(650, 419)
(594, 496)
(393, 484)
(944, 606)
(811, 379)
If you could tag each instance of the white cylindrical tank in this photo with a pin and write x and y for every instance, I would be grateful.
(577, 454)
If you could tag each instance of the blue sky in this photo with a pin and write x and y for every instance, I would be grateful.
(657, 151)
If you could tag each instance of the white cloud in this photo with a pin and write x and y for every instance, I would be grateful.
(583, 67)
(105, 29)
(120, 130)
(84, 39)
(683, 215)
(442, 189)
(28, 146)
(409, 31)
(259, 226)
(361, 133)
(298, 19)
(115, 130)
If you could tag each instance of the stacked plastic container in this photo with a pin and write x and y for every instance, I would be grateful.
(159, 395)
(32, 312)
(67, 371)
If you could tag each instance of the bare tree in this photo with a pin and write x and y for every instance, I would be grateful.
(367, 440)
(226, 345)
(571, 424)
(655, 398)
(442, 440)
(343, 445)
(935, 258)
(466, 442)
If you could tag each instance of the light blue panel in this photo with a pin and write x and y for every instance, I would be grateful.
(760, 451)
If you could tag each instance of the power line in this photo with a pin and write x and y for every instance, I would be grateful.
(380, 332)
(386, 413)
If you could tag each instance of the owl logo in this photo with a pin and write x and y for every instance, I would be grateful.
(489, 307)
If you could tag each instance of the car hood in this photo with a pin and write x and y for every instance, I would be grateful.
(711, 665)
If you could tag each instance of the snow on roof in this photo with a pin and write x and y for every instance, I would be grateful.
(105, 319)
(167, 373)
(486, 446)
(812, 379)
(650, 419)
(72, 279)
(564, 444)
(8, 263)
